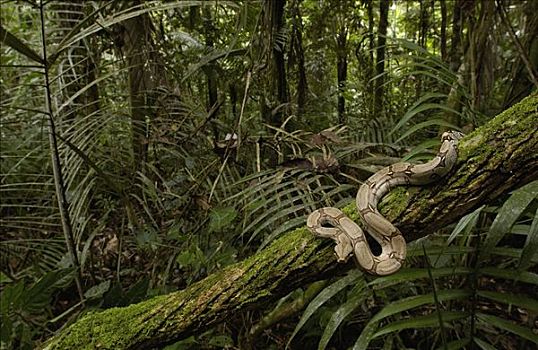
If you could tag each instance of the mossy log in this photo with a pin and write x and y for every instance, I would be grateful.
(493, 160)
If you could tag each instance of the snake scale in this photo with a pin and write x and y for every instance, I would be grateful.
(349, 237)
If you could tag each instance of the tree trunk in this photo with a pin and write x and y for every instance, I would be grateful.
(455, 55)
(521, 82)
(371, 49)
(274, 22)
(341, 62)
(380, 57)
(298, 53)
(422, 40)
(493, 160)
(455, 62)
(137, 47)
(481, 64)
(443, 30)
(211, 68)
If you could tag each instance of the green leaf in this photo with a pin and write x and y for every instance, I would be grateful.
(221, 341)
(406, 304)
(6, 331)
(467, 223)
(427, 321)
(147, 237)
(508, 326)
(520, 276)
(412, 302)
(530, 250)
(351, 278)
(358, 295)
(77, 33)
(410, 274)
(4, 278)
(10, 298)
(509, 213)
(366, 336)
(408, 115)
(107, 179)
(17, 45)
(138, 291)
(531, 304)
(483, 345)
(418, 149)
(97, 291)
(425, 124)
(220, 218)
(37, 297)
(455, 344)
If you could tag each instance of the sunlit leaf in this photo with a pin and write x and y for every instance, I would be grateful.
(509, 213)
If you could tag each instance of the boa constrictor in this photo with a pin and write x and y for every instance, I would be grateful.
(350, 238)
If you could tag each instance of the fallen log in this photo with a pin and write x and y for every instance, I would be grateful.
(493, 160)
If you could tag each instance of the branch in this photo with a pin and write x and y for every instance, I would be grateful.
(495, 159)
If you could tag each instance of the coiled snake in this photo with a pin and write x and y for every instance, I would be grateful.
(350, 238)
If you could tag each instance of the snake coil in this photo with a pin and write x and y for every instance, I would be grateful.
(350, 238)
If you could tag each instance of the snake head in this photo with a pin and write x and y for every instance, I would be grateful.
(452, 135)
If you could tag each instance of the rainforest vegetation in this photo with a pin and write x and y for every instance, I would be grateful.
(159, 159)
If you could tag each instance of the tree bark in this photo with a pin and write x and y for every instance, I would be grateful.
(274, 22)
(380, 57)
(297, 52)
(371, 49)
(210, 32)
(341, 62)
(137, 39)
(455, 58)
(521, 81)
(443, 30)
(493, 160)
(481, 79)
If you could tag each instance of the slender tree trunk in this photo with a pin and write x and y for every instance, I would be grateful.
(280, 84)
(211, 74)
(380, 58)
(371, 48)
(341, 62)
(443, 30)
(455, 55)
(455, 59)
(494, 160)
(59, 184)
(422, 39)
(481, 62)
(298, 53)
(423, 31)
(274, 102)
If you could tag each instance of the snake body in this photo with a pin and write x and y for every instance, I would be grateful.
(350, 238)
